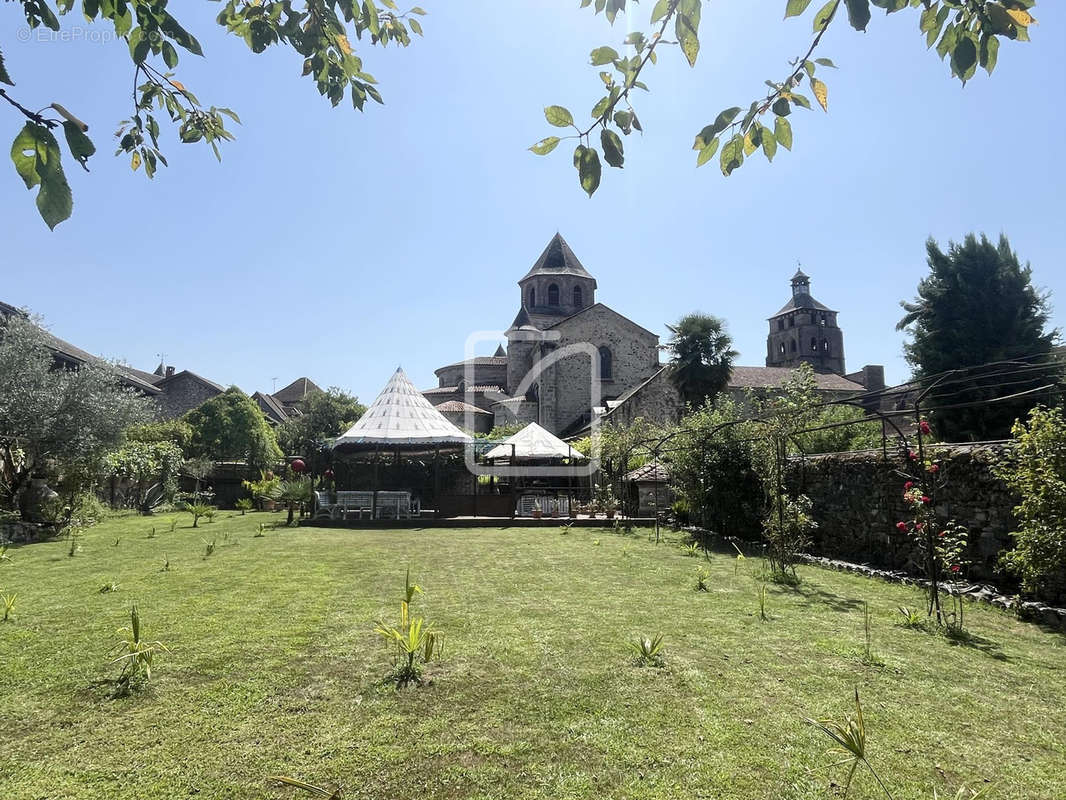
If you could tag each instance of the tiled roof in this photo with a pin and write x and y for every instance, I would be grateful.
(455, 389)
(558, 259)
(772, 377)
(478, 361)
(653, 471)
(271, 407)
(296, 391)
(587, 309)
(148, 377)
(459, 407)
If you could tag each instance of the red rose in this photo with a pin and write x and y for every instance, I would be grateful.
(954, 567)
(908, 485)
(912, 455)
(902, 526)
(923, 426)
(926, 499)
(934, 468)
(941, 533)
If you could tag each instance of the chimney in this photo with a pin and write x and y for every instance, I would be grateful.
(170, 372)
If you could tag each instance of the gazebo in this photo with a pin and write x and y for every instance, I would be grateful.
(400, 422)
(531, 447)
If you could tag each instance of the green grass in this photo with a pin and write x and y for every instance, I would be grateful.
(274, 669)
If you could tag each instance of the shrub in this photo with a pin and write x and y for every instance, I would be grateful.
(787, 527)
(1035, 469)
(702, 576)
(415, 640)
(199, 510)
(244, 505)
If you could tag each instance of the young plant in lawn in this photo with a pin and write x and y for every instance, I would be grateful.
(691, 549)
(9, 604)
(110, 586)
(702, 576)
(151, 533)
(198, 511)
(762, 602)
(940, 544)
(317, 791)
(649, 652)
(244, 505)
(135, 654)
(74, 536)
(117, 540)
(3, 555)
(259, 535)
(739, 559)
(173, 524)
(849, 738)
(912, 618)
(166, 564)
(415, 640)
(209, 547)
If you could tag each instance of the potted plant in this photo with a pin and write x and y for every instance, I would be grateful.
(538, 512)
(266, 490)
(555, 508)
(609, 506)
(573, 509)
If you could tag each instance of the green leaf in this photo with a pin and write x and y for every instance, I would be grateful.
(989, 52)
(796, 7)
(782, 107)
(964, 58)
(612, 147)
(4, 77)
(783, 132)
(825, 62)
(687, 25)
(721, 122)
(660, 10)
(707, 152)
(732, 155)
(35, 153)
(139, 45)
(587, 161)
(769, 144)
(558, 116)
(546, 145)
(170, 55)
(173, 29)
(603, 55)
(858, 13)
(825, 15)
(81, 146)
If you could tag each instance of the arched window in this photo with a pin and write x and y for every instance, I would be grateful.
(823, 319)
(782, 348)
(605, 363)
(461, 388)
(553, 295)
(579, 298)
(825, 346)
(814, 345)
(532, 297)
(792, 322)
(792, 346)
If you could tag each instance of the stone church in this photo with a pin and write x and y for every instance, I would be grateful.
(562, 335)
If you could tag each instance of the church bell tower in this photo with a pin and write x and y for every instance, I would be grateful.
(805, 331)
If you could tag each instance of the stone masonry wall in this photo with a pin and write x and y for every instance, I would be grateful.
(858, 499)
(181, 394)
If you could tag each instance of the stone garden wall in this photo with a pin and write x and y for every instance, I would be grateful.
(858, 498)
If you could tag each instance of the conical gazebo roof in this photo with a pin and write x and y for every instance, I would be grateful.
(533, 442)
(400, 417)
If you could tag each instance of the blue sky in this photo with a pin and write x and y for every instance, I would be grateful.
(338, 245)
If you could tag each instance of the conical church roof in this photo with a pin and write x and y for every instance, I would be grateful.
(399, 416)
(558, 259)
(533, 442)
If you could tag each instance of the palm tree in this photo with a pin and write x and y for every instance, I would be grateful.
(701, 357)
(295, 493)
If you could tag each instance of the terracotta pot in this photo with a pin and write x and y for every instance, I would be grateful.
(269, 505)
(537, 513)
(610, 513)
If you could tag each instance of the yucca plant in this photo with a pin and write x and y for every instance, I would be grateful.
(739, 561)
(849, 737)
(244, 505)
(135, 655)
(166, 564)
(209, 547)
(691, 549)
(259, 535)
(415, 640)
(9, 604)
(117, 540)
(318, 791)
(173, 524)
(912, 617)
(702, 576)
(3, 554)
(110, 586)
(649, 652)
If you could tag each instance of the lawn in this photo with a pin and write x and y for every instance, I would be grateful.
(274, 668)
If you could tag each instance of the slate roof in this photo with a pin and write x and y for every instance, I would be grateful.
(801, 301)
(296, 391)
(199, 378)
(148, 377)
(558, 259)
(587, 309)
(65, 351)
(652, 472)
(271, 407)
